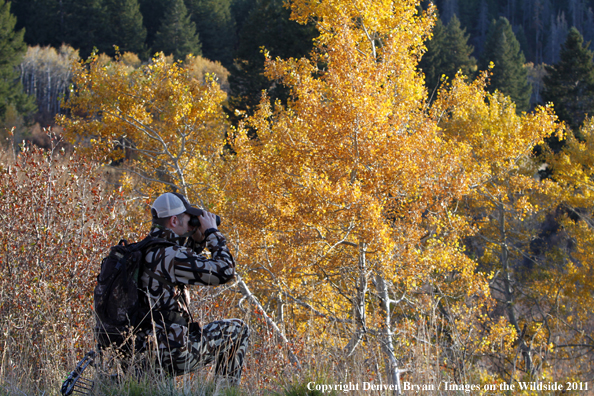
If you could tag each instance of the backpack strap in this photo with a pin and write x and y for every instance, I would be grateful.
(150, 241)
(158, 277)
(173, 317)
(143, 246)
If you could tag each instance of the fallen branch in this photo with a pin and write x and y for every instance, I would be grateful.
(243, 287)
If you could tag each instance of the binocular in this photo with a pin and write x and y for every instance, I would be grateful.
(195, 221)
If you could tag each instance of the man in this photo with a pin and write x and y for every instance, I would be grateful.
(184, 346)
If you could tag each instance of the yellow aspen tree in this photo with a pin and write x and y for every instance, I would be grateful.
(156, 122)
(567, 282)
(506, 208)
(347, 200)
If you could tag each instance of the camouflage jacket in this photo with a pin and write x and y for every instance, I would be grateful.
(181, 264)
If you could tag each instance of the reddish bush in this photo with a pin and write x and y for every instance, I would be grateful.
(56, 222)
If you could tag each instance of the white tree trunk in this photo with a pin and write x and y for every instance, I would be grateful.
(359, 306)
(386, 340)
(245, 291)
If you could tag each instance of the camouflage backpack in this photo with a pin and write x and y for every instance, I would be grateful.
(120, 308)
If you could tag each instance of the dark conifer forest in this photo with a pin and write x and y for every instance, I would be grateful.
(519, 36)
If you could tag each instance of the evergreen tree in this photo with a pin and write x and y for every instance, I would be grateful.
(39, 19)
(125, 26)
(447, 52)
(569, 84)
(152, 16)
(13, 101)
(177, 34)
(508, 75)
(481, 27)
(456, 51)
(79, 23)
(467, 13)
(521, 37)
(268, 26)
(216, 28)
(83, 25)
(240, 9)
(431, 61)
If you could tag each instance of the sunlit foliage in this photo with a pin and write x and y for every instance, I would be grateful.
(164, 124)
(348, 202)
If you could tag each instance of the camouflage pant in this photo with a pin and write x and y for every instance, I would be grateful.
(223, 342)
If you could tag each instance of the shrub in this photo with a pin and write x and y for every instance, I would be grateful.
(56, 222)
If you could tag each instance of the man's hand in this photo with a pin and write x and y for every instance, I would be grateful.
(207, 220)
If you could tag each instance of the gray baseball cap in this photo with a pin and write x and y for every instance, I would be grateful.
(173, 204)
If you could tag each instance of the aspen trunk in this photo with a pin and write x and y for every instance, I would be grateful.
(386, 336)
(359, 305)
(245, 291)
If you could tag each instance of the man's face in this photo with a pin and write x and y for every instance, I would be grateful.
(181, 224)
